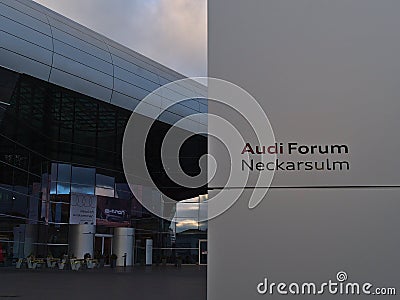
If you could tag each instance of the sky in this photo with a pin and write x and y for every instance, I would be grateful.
(172, 32)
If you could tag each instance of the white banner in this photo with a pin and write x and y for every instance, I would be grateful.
(83, 209)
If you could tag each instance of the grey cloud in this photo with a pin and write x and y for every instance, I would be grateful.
(172, 32)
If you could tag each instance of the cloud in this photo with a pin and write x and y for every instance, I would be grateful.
(172, 32)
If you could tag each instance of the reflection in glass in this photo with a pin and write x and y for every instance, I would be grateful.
(100, 191)
(203, 226)
(59, 213)
(63, 188)
(64, 173)
(105, 181)
(105, 185)
(84, 176)
(53, 188)
(45, 125)
(184, 224)
(82, 189)
(187, 210)
(54, 172)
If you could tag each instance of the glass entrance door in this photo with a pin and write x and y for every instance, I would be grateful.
(203, 252)
(103, 246)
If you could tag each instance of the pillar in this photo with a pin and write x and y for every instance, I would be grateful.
(81, 240)
(123, 242)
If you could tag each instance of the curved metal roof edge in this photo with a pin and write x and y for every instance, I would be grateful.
(76, 57)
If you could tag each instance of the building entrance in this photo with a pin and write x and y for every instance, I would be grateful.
(103, 246)
(203, 252)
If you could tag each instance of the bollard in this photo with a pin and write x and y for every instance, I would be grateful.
(124, 260)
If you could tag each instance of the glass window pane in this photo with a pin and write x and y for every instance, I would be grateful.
(105, 181)
(203, 211)
(82, 189)
(59, 212)
(203, 226)
(84, 176)
(53, 188)
(100, 191)
(187, 210)
(20, 180)
(6, 174)
(57, 234)
(54, 168)
(19, 204)
(8, 81)
(63, 188)
(183, 224)
(123, 187)
(64, 173)
(6, 199)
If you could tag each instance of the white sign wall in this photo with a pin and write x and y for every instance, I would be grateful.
(83, 209)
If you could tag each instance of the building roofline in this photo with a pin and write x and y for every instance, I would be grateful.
(39, 42)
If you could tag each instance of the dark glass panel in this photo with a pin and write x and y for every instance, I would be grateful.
(8, 81)
(105, 185)
(105, 181)
(6, 199)
(6, 174)
(64, 173)
(20, 180)
(54, 171)
(82, 189)
(59, 212)
(20, 203)
(83, 176)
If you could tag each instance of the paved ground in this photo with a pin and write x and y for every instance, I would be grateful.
(189, 282)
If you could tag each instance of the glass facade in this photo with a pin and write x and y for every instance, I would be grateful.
(58, 147)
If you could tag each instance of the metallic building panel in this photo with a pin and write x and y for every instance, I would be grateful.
(203, 108)
(175, 92)
(203, 102)
(203, 119)
(134, 79)
(170, 77)
(149, 110)
(155, 99)
(23, 64)
(80, 85)
(123, 101)
(28, 7)
(25, 33)
(80, 43)
(129, 89)
(169, 117)
(27, 49)
(82, 71)
(163, 80)
(135, 66)
(201, 90)
(25, 19)
(83, 57)
(193, 104)
(80, 34)
(181, 110)
(132, 56)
